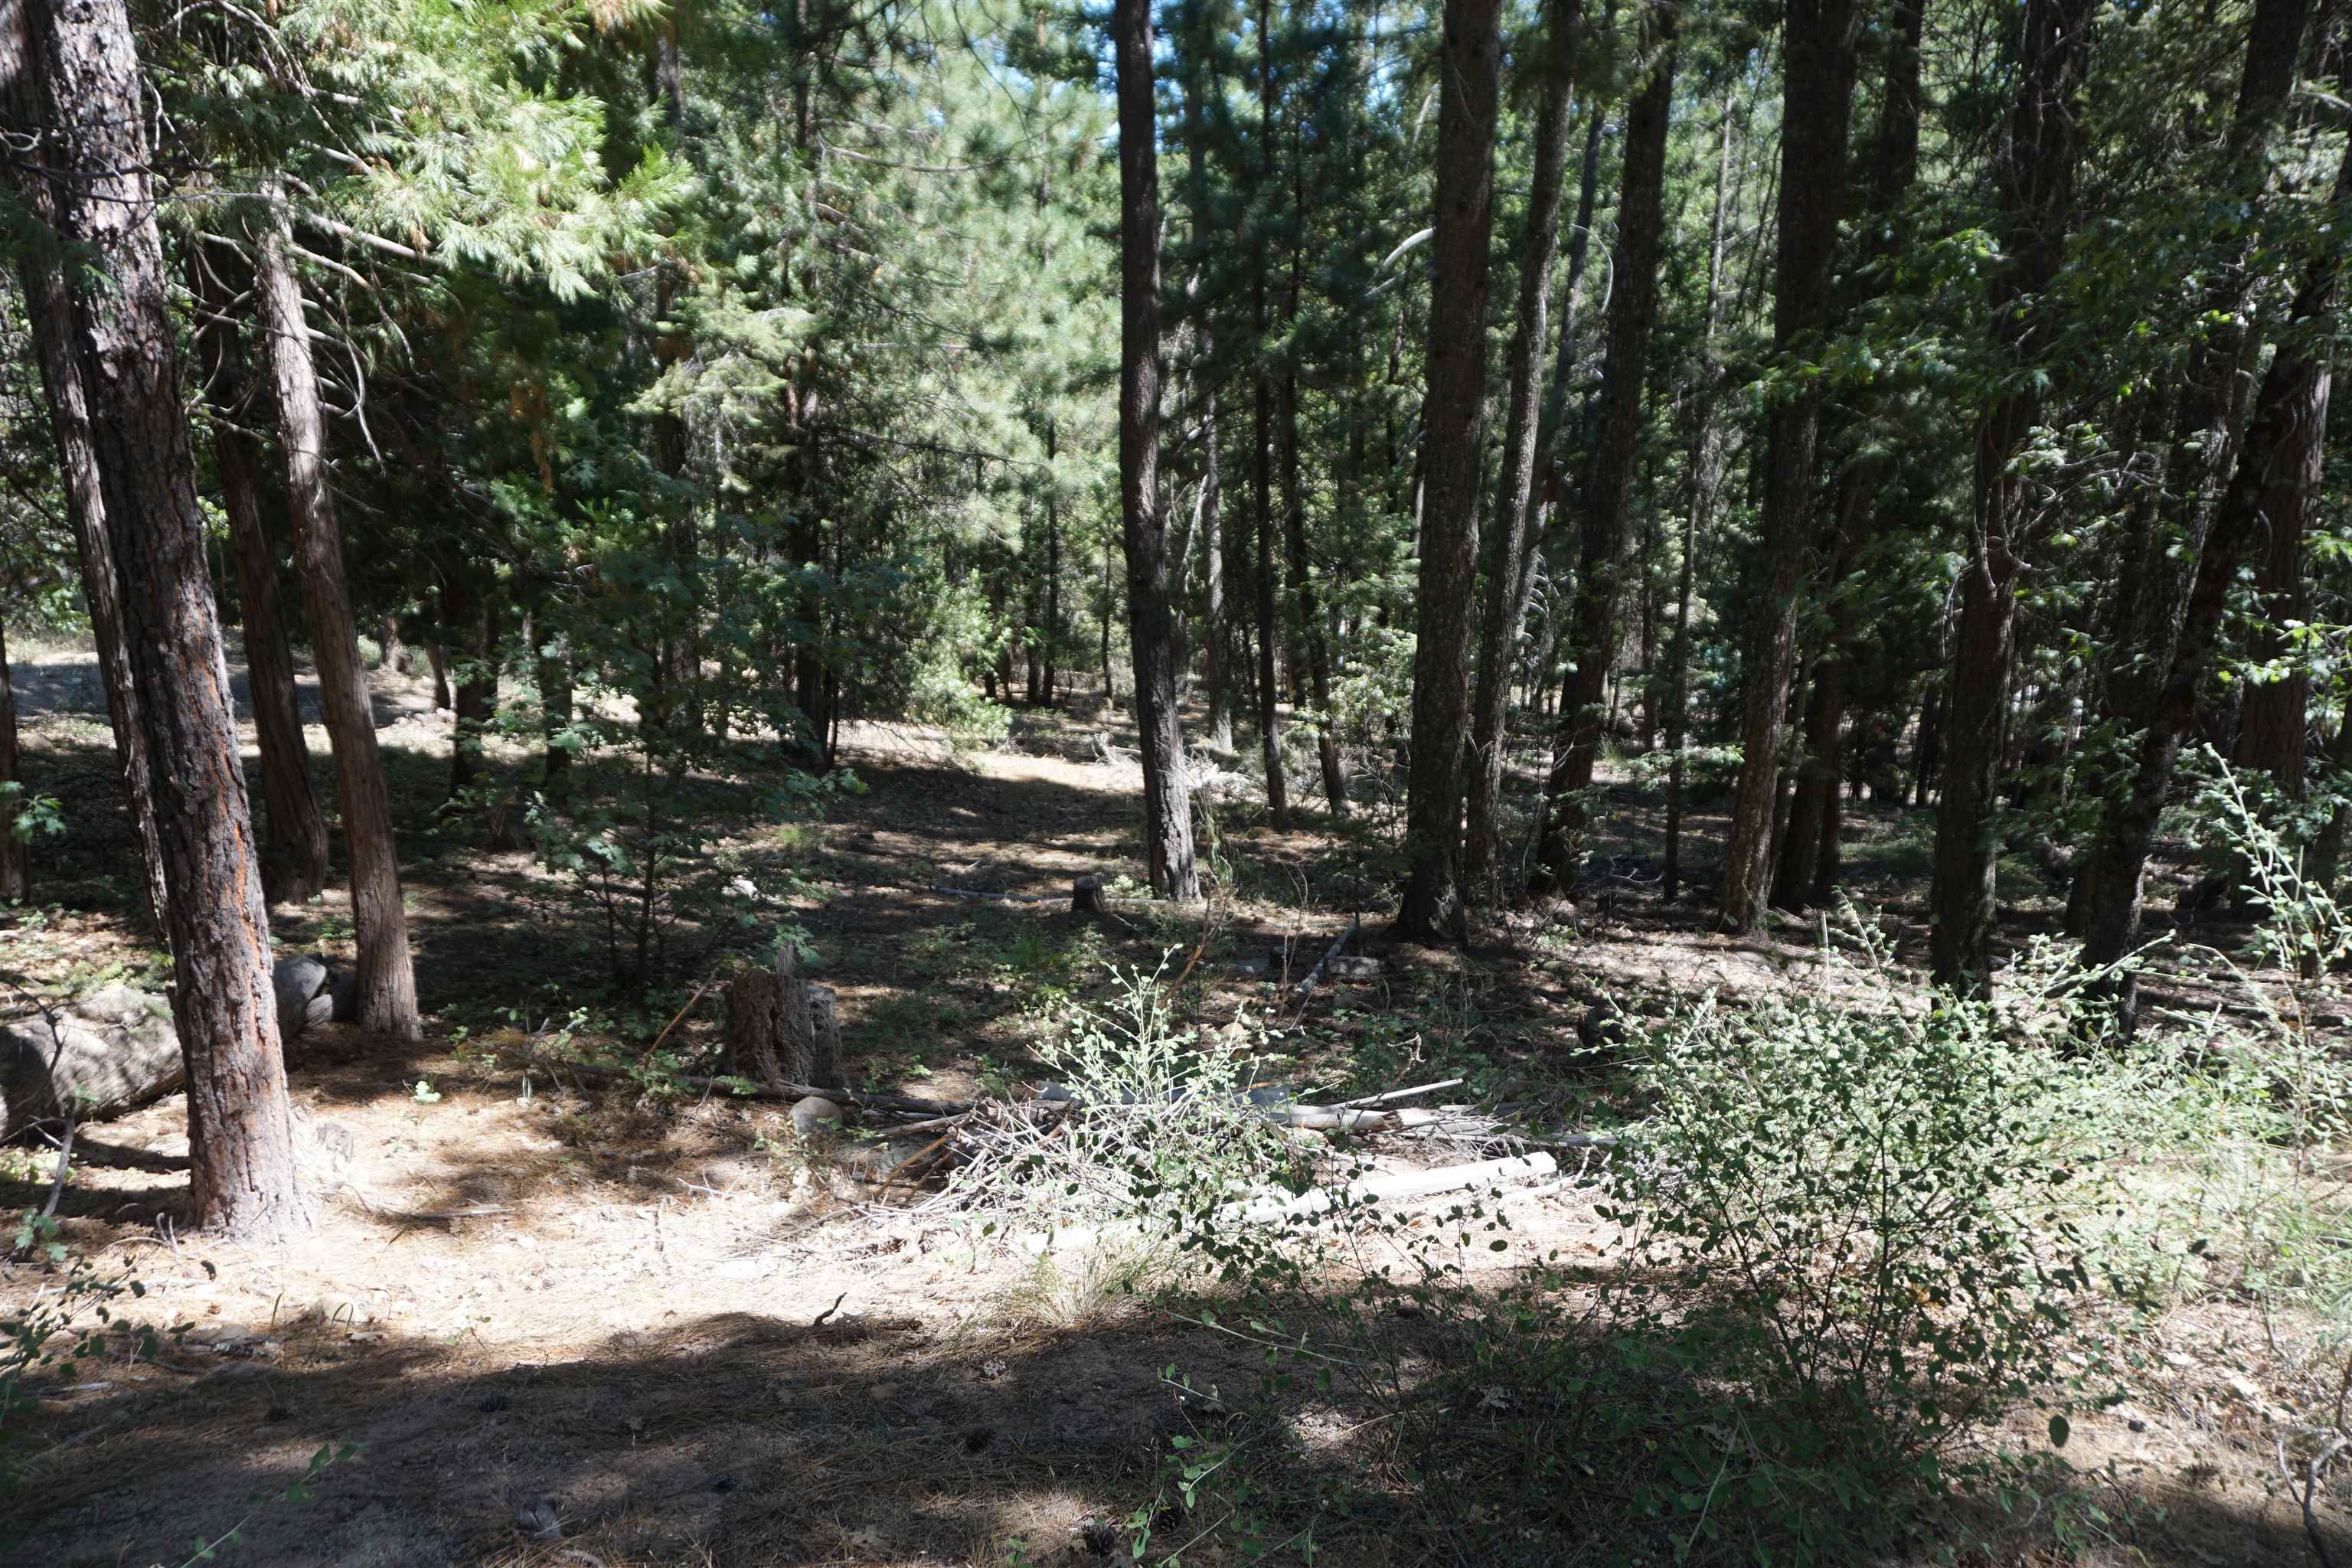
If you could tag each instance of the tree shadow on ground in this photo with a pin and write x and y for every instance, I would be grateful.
(743, 1438)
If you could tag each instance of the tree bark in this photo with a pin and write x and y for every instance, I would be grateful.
(241, 1123)
(474, 617)
(1269, 620)
(1470, 60)
(2036, 176)
(386, 984)
(1816, 92)
(49, 309)
(2275, 484)
(1167, 789)
(294, 841)
(1505, 541)
(1592, 644)
(1216, 634)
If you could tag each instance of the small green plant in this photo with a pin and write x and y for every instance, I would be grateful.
(69, 1323)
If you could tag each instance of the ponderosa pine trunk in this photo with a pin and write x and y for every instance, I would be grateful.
(1505, 541)
(1470, 60)
(2275, 484)
(48, 310)
(2274, 720)
(1166, 790)
(1817, 93)
(294, 830)
(2034, 173)
(1592, 643)
(240, 1122)
(386, 981)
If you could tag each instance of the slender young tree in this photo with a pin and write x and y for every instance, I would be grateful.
(1601, 549)
(387, 980)
(2034, 172)
(1469, 62)
(1506, 539)
(1816, 112)
(294, 830)
(93, 114)
(1167, 791)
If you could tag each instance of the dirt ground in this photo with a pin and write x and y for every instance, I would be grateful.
(675, 1334)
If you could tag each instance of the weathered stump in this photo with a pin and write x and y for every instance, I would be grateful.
(781, 1030)
(1085, 897)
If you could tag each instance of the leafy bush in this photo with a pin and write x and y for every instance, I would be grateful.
(1873, 1207)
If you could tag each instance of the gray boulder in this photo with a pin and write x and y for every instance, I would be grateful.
(104, 1054)
(305, 988)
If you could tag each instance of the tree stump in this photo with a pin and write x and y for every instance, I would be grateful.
(1085, 897)
(781, 1030)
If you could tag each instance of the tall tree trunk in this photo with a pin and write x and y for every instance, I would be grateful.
(1808, 854)
(551, 666)
(2275, 484)
(1053, 571)
(386, 980)
(1310, 615)
(1470, 60)
(1705, 467)
(1505, 541)
(2034, 173)
(294, 842)
(48, 310)
(2275, 719)
(15, 876)
(1269, 619)
(241, 1123)
(1593, 642)
(1816, 92)
(1167, 791)
(1216, 634)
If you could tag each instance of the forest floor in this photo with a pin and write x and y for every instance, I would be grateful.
(699, 1339)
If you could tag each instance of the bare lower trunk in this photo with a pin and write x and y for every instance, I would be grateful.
(1505, 541)
(1817, 96)
(294, 842)
(1592, 648)
(1433, 908)
(2035, 174)
(386, 985)
(49, 313)
(241, 1123)
(1166, 790)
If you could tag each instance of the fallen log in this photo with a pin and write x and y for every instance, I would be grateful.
(609, 1072)
(1394, 1187)
(1305, 989)
(1396, 1094)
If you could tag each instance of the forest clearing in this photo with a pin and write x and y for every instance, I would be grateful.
(990, 782)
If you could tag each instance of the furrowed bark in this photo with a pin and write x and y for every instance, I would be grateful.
(240, 1122)
(1455, 404)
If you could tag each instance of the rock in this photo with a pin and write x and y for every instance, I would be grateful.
(107, 1053)
(537, 1520)
(816, 1111)
(1352, 966)
(305, 987)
